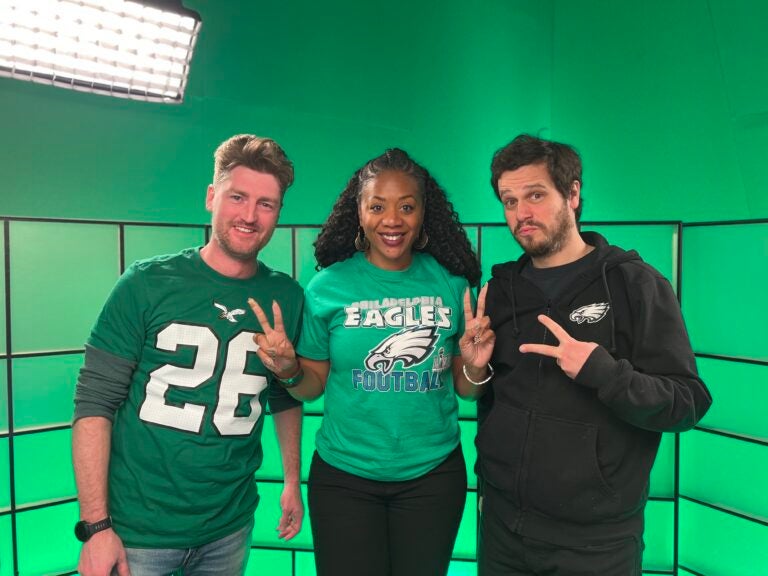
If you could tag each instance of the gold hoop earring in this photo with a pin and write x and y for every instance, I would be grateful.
(361, 242)
(422, 240)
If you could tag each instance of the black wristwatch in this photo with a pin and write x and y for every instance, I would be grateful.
(84, 530)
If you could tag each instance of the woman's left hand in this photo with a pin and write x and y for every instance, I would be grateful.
(478, 340)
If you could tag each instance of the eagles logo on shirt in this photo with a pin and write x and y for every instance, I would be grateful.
(410, 346)
(227, 314)
(591, 313)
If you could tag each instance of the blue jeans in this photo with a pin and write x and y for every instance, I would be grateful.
(227, 556)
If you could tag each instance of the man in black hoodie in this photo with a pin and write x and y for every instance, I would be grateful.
(592, 363)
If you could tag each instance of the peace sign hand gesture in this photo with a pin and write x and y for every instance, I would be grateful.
(275, 348)
(570, 354)
(478, 340)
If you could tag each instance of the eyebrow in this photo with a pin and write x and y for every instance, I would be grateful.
(527, 188)
(382, 199)
(249, 194)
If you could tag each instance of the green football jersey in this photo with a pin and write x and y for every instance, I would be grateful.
(390, 407)
(187, 439)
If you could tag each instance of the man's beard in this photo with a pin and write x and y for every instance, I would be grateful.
(553, 240)
(229, 249)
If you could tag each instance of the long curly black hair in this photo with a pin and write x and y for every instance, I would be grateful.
(448, 242)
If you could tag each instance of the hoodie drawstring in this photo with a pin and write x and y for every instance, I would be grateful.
(515, 330)
(610, 307)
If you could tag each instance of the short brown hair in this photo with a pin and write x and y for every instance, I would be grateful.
(260, 154)
(562, 161)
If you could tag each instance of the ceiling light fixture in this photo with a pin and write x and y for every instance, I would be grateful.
(115, 47)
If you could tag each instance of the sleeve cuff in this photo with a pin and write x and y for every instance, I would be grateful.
(597, 370)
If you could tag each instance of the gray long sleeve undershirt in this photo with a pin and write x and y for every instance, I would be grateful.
(102, 385)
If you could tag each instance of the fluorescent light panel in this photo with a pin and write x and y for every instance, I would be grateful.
(111, 47)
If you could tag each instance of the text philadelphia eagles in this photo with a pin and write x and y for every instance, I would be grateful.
(387, 363)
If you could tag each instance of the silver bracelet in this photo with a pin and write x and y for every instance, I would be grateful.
(490, 375)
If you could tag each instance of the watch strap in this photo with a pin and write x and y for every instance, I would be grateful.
(84, 530)
(100, 525)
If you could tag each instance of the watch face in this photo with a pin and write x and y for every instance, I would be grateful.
(81, 531)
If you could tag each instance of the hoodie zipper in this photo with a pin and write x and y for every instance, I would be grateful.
(547, 313)
(527, 449)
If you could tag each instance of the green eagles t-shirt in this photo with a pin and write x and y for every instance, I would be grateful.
(390, 408)
(187, 440)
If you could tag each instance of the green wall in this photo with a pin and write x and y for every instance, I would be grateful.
(668, 102)
(38, 370)
(707, 505)
(334, 82)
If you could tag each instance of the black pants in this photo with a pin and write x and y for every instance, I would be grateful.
(371, 528)
(502, 552)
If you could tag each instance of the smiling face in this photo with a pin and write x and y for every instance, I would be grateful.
(245, 207)
(542, 221)
(391, 211)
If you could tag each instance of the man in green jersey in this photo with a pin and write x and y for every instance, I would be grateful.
(169, 402)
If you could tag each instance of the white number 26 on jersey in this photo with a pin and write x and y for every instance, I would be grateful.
(234, 382)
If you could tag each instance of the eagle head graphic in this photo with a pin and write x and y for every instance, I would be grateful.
(590, 313)
(409, 346)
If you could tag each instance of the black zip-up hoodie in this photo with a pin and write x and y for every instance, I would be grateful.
(568, 460)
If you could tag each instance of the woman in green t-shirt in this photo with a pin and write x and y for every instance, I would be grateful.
(390, 338)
